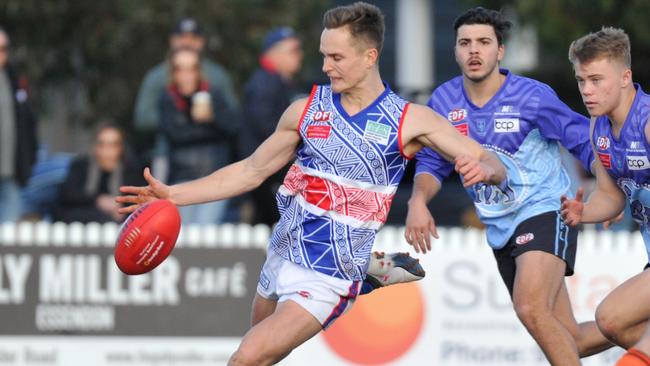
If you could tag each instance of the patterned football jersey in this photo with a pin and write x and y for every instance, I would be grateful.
(337, 194)
(626, 158)
(522, 124)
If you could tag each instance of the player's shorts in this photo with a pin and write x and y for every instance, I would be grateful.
(323, 296)
(545, 232)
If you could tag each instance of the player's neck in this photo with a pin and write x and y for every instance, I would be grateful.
(363, 94)
(618, 116)
(482, 91)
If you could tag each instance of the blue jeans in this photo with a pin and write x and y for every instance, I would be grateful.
(10, 201)
(204, 214)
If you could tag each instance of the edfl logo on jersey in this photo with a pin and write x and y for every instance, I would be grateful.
(457, 115)
(602, 142)
(506, 125)
(322, 116)
(637, 162)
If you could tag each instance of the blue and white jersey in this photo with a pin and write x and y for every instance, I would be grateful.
(626, 158)
(338, 192)
(522, 124)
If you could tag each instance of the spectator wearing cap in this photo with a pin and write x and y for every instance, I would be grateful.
(268, 92)
(18, 141)
(186, 34)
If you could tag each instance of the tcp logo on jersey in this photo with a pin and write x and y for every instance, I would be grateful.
(502, 125)
(321, 116)
(457, 115)
(637, 162)
(602, 142)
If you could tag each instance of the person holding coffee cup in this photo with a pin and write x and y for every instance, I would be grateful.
(198, 124)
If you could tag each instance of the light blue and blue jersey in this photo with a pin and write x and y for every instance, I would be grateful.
(626, 159)
(523, 123)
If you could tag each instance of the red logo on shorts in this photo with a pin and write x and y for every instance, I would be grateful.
(525, 238)
(318, 131)
(305, 294)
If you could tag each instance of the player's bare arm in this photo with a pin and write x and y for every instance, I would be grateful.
(229, 181)
(605, 202)
(423, 127)
(420, 225)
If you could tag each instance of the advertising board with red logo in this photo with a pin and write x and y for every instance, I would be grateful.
(195, 310)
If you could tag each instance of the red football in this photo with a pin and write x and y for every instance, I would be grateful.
(147, 237)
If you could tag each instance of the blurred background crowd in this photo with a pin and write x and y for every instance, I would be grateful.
(91, 92)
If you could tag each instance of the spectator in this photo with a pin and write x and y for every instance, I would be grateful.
(186, 34)
(267, 94)
(198, 124)
(87, 195)
(17, 135)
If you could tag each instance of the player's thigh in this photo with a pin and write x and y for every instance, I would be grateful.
(262, 308)
(629, 303)
(539, 278)
(278, 334)
(544, 250)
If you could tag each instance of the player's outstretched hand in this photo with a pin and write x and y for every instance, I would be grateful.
(571, 210)
(420, 226)
(470, 169)
(137, 196)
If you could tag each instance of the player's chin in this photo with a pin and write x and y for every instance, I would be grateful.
(337, 85)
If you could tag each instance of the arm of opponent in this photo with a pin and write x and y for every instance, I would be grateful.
(604, 203)
(420, 225)
(231, 180)
(424, 127)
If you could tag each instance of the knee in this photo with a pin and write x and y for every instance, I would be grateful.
(244, 357)
(531, 314)
(239, 358)
(607, 324)
(248, 356)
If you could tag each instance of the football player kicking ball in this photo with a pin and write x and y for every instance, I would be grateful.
(351, 141)
(620, 136)
(523, 121)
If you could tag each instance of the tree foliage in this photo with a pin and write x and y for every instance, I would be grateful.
(559, 22)
(86, 59)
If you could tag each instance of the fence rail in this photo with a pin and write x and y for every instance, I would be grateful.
(389, 238)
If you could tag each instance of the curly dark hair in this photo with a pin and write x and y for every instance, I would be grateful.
(481, 15)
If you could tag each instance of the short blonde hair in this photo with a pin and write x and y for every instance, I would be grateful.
(611, 43)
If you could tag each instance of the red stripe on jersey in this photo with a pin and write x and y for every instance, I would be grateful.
(360, 204)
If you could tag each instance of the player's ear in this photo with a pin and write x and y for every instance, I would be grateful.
(627, 78)
(501, 52)
(371, 56)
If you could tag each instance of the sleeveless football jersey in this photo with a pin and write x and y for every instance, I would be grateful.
(522, 123)
(337, 193)
(626, 158)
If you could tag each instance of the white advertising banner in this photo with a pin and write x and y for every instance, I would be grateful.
(459, 315)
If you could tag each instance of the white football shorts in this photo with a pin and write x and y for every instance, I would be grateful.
(323, 296)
